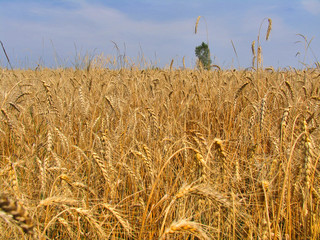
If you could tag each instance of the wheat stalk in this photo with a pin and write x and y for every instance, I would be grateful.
(65, 223)
(266, 223)
(307, 156)
(183, 191)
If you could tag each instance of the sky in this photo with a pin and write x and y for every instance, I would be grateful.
(148, 33)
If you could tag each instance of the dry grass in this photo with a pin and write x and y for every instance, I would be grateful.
(160, 154)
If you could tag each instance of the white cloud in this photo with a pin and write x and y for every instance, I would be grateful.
(312, 6)
(92, 27)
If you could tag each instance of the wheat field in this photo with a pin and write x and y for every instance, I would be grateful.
(159, 154)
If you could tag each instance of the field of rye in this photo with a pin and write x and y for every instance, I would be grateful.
(159, 154)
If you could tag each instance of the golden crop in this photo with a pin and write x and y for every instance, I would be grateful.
(159, 154)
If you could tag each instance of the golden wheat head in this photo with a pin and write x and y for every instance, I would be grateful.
(253, 44)
(14, 210)
(197, 22)
(185, 226)
(269, 28)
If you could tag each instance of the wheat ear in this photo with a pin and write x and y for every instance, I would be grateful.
(203, 165)
(219, 146)
(288, 85)
(238, 92)
(183, 62)
(123, 222)
(253, 52)
(8, 120)
(253, 48)
(145, 160)
(259, 56)
(185, 226)
(197, 22)
(14, 180)
(262, 111)
(102, 167)
(269, 28)
(48, 90)
(14, 210)
(283, 124)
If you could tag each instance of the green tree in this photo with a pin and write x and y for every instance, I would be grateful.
(203, 54)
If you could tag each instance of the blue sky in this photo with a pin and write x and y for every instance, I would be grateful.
(54, 33)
